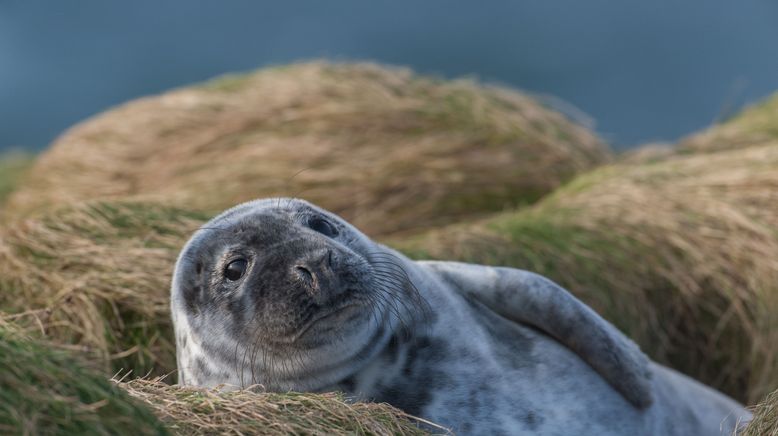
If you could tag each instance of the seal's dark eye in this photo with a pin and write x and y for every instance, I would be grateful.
(322, 226)
(235, 269)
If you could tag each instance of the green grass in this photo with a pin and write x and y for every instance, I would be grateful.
(754, 125)
(47, 391)
(228, 83)
(760, 118)
(13, 165)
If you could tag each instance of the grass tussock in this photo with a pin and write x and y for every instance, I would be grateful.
(44, 390)
(765, 421)
(682, 254)
(96, 277)
(199, 411)
(361, 140)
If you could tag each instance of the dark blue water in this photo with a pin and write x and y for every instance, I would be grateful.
(643, 70)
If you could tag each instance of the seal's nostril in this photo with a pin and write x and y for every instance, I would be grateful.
(304, 273)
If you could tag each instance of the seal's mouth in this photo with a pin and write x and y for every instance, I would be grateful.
(338, 316)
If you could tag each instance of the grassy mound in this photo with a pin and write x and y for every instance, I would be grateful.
(12, 166)
(361, 140)
(45, 391)
(765, 422)
(757, 124)
(681, 253)
(97, 277)
(194, 411)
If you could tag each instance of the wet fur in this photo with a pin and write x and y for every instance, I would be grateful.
(444, 341)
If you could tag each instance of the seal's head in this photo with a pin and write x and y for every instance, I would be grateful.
(281, 293)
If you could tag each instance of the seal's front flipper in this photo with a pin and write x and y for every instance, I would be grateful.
(529, 298)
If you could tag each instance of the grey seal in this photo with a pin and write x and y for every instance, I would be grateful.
(283, 294)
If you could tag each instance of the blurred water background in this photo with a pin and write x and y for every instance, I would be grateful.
(642, 71)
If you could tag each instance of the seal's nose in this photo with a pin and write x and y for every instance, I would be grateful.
(317, 274)
(304, 273)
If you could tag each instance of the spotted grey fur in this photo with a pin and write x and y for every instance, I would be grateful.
(480, 350)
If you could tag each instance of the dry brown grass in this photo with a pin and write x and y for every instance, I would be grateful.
(387, 149)
(198, 411)
(765, 422)
(96, 277)
(681, 253)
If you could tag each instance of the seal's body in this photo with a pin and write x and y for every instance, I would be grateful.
(283, 294)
